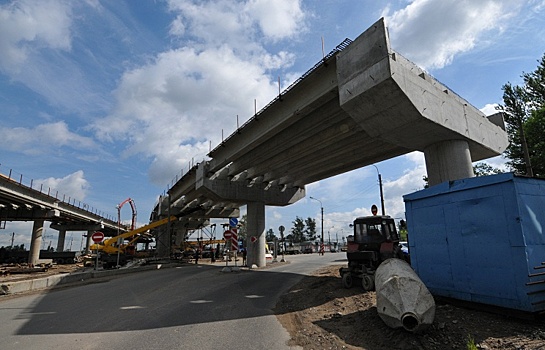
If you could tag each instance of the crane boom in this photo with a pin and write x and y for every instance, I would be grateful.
(133, 208)
(108, 244)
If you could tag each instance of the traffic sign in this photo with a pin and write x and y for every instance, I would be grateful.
(227, 235)
(233, 222)
(97, 237)
(253, 239)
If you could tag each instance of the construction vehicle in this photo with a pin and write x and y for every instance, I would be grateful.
(115, 248)
(375, 239)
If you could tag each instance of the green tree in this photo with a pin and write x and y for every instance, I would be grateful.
(298, 230)
(535, 134)
(269, 235)
(243, 227)
(483, 169)
(310, 230)
(515, 114)
(523, 111)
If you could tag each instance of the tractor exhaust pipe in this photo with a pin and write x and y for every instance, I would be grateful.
(403, 301)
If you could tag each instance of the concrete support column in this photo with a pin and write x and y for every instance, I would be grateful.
(88, 240)
(256, 228)
(162, 242)
(180, 236)
(60, 240)
(448, 161)
(36, 241)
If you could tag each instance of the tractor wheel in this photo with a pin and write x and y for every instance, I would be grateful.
(368, 282)
(348, 282)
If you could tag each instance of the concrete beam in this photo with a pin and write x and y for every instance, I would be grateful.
(76, 227)
(225, 189)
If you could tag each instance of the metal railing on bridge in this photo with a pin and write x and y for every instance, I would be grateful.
(343, 45)
(18, 179)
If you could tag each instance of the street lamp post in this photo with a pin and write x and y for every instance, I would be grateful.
(322, 209)
(380, 186)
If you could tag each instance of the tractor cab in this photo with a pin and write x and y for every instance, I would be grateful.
(375, 239)
(371, 232)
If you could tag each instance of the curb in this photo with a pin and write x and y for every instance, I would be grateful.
(77, 277)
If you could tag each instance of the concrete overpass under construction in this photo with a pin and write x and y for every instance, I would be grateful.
(20, 202)
(363, 103)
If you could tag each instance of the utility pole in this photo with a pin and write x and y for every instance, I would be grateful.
(380, 186)
(322, 209)
(12, 239)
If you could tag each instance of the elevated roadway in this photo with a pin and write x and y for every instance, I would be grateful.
(363, 103)
(19, 202)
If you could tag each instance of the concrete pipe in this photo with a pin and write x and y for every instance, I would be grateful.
(402, 298)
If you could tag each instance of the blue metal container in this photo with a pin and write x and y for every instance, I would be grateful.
(481, 240)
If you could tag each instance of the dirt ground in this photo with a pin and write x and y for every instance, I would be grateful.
(320, 314)
(8, 273)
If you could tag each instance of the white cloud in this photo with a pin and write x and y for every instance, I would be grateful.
(172, 108)
(236, 23)
(177, 27)
(431, 33)
(22, 232)
(42, 139)
(410, 181)
(489, 109)
(278, 19)
(28, 25)
(74, 184)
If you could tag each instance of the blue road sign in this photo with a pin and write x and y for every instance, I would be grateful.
(233, 222)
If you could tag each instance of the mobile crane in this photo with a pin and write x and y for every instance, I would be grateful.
(110, 249)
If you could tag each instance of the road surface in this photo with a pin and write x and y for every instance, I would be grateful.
(188, 307)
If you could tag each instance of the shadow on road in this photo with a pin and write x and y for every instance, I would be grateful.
(189, 295)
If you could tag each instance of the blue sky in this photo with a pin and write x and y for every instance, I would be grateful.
(105, 100)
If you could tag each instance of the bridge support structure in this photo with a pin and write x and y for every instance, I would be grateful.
(36, 241)
(394, 100)
(256, 228)
(447, 161)
(256, 195)
(61, 239)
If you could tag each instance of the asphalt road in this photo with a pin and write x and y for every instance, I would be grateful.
(188, 307)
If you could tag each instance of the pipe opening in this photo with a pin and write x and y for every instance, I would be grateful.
(410, 322)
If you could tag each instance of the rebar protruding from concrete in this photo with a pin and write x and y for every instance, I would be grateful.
(402, 298)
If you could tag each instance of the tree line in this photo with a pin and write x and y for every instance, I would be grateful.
(301, 231)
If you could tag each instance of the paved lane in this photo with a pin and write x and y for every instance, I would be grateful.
(189, 307)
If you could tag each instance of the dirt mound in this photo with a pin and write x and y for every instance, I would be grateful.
(320, 314)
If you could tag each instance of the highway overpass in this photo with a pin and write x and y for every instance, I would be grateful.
(22, 202)
(363, 103)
